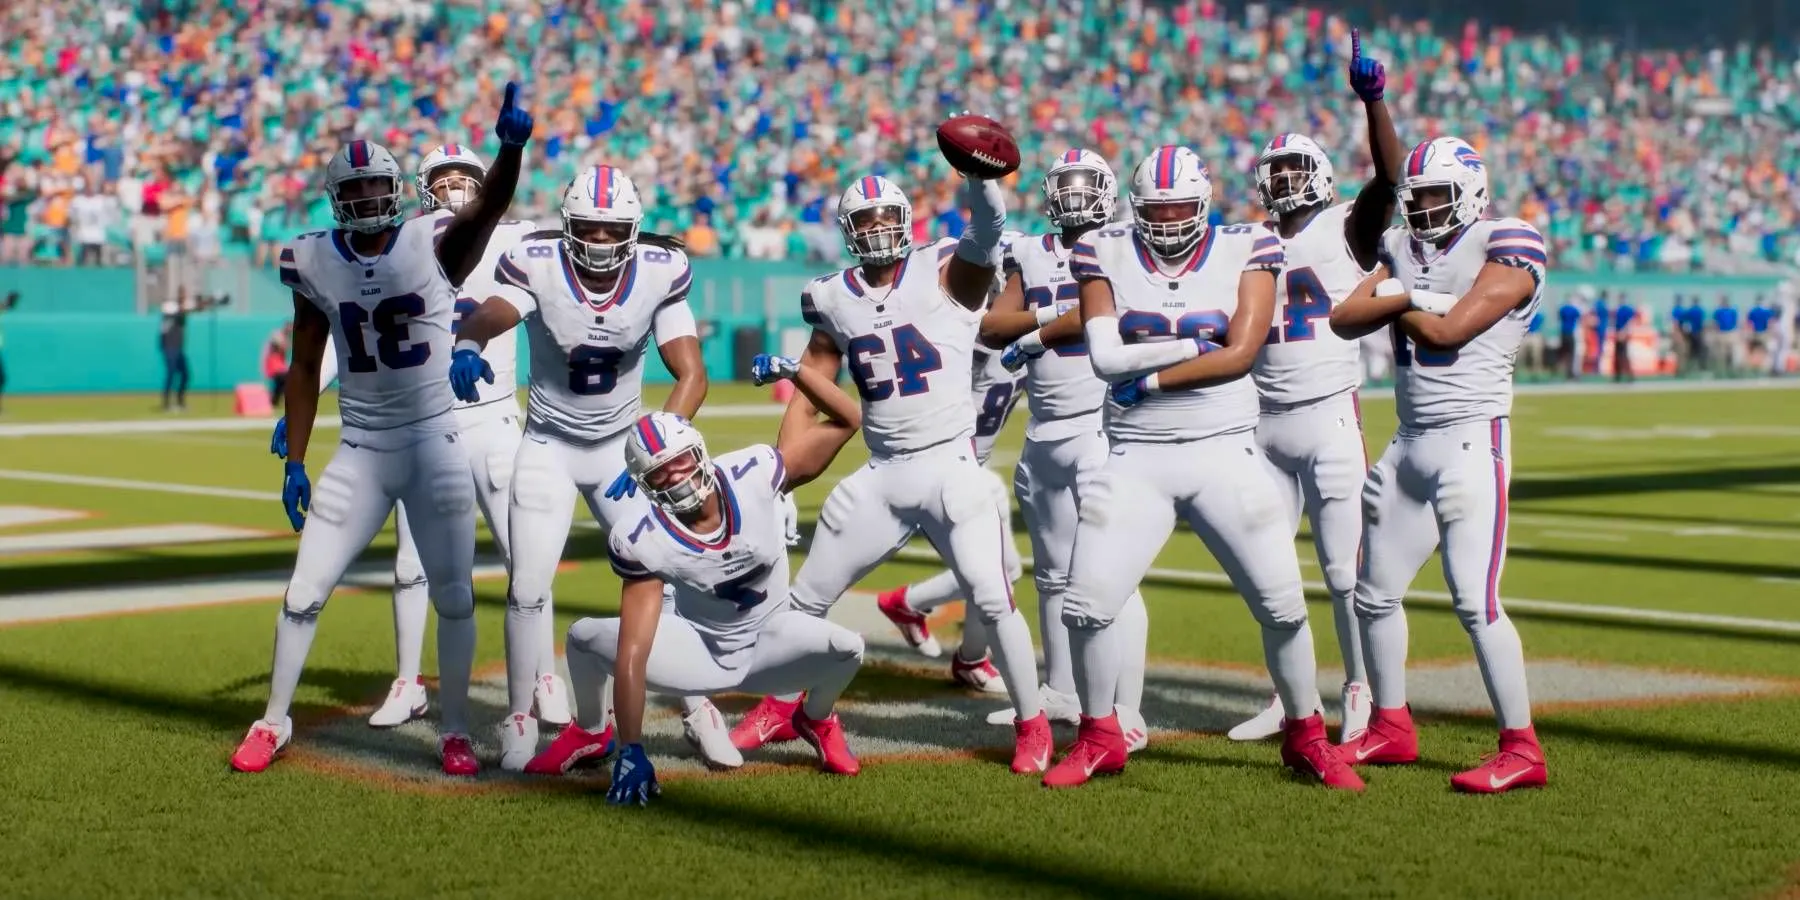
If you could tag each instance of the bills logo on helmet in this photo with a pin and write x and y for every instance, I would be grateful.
(1469, 158)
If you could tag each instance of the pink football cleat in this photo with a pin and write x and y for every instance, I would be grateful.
(1390, 740)
(572, 749)
(1099, 750)
(1518, 764)
(771, 721)
(1305, 749)
(913, 626)
(978, 674)
(458, 755)
(827, 737)
(261, 746)
(1032, 745)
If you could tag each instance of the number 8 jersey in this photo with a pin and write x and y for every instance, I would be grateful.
(390, 320)
(910, 348)
(1195, 299)
(1303, 359)
(587, 349)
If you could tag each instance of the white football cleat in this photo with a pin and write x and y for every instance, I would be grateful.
(1060, 707)
(1263, 725)
(552, 701)
(405, 702)
(518, 742)
(1357, 704)
(705, 729)
(1134, 728)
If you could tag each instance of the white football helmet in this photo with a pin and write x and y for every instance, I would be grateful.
(600, 195)
(452, 164)
(1080, 190)
(1171, 194)
(1450, 165)
(867, 237)
(660, 439)
(1310, 184)
(372, 212)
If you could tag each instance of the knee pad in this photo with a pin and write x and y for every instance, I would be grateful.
(847, 645)
(1285, 611)
(455, 601)
(805, 600)
(587, 633)
(408, 571)
(529, 603)
(304, 600)
(1368, 606)
(1080, 611)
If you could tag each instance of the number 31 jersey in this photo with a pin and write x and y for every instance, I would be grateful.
(728, 585)
(1303, 359)
(1193, 300)
(390, 319)
(587, 349)
(910, 349)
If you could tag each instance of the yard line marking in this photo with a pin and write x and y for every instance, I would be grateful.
(13, 516)
(1773, 580)
(163, 487)
(134, 536)
(172, 426)
(1698, 529)
(1587, 536)
(1443, 600)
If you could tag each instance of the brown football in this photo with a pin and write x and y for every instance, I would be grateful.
(978, 146)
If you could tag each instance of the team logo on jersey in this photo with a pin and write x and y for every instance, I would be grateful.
(1469, 158)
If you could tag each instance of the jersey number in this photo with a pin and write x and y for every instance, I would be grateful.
(914, 358)
(738, 591)
(995, 407)
(1405, 351)
(392, 319)
(1209, 324)
(594, 370)
(1065, 293)
(1307, 302)
(465, 307)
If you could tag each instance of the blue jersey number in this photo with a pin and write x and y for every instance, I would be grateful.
(594, 370)
(1405, 352)
(465, 307)
(392, 320)
(1307, 303)
(738, 590)
(1209, 324)
(1065, 293)
(995, 407)
(914, 358)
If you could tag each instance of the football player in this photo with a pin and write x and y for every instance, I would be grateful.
(383, 287)
(1183, 446)
(1457, 291)
(449, 178)
(906, 319)
(593, 297)
(1307, 376)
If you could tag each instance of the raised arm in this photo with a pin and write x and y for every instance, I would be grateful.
(466, 238)
(1244, 338)
(970, 272)
(1374, 205)
(1363, 311)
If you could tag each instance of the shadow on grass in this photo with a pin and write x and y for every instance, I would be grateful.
(1708, 479)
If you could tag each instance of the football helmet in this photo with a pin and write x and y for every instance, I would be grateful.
(369, 210)
(601, 195)
(1309, 184)
(1080, 190)
(1171, 195)
(868, 235)
(455, 164)
(1449, 165)
(661, 439)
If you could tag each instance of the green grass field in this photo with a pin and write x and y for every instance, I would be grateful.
(1674, 742)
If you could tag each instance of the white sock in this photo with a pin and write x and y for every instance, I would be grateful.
(1059, 672)
(524, 630)
(588, 683)
(1349, 635)
(1133, 626)
(411, 602)
(790, 698)
(975, 638)
(547, 638)
(1384, 649)
(934, 592)
(691, 705)
(1017, 664)
(1288, 652)
(456, 658)
(1094, 653)
(293, 640)
(1502, 660)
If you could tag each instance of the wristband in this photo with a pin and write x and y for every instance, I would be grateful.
(1032, 343)
(1151, 384)
(466, 345)
(1047, 314)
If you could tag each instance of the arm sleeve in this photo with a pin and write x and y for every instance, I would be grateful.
(674, 319)
(980, 242)
(1113, 360)
(625, 564)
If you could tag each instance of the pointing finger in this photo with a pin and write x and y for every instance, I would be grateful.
(1355, 43)
(512, 95)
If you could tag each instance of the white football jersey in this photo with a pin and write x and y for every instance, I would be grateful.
(1195, 301)
(587, 349)
(501, 354)
(390, 322)
(728, 585)
(1433, 388)
(1303, 359)
(1060, 388)
(995, 392)
(910, 349)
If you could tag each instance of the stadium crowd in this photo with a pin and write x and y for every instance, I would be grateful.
(199, 126)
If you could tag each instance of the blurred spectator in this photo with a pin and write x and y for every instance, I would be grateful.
(1758, 319)
(762, 239)
(1624, 315)
(1531, 351)
(172, 339)
(90, 215)
(1725, 350)
(275, 361)
(1568, 346)
(1785, 313)
(701, 239)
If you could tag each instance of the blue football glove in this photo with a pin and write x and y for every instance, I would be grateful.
(296, 494)
(1014, 357)
(1367, 76)
(465, 367)
(513, 128)
(766, 368)
(633, 779)
(1129, 393)
(622, 487)
(278, 440)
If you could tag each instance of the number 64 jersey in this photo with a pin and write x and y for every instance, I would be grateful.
(587, 348)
